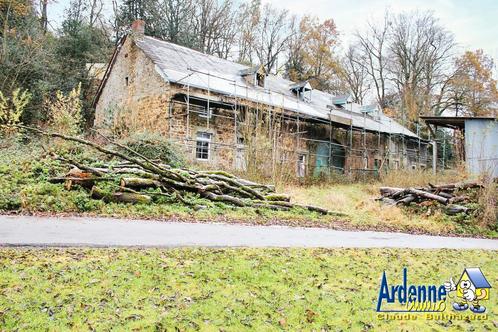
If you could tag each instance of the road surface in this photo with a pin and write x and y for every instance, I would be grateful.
(106, 232)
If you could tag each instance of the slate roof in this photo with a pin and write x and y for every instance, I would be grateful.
(178, 64)
(477, 277)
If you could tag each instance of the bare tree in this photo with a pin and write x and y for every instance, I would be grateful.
(420, 50)
(172, 20)
(372, 51)
(295, 65)
(248, 20)
(272, 35)
(95, 12)
(354, 74)
(212, 26)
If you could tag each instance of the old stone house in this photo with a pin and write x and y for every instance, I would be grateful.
(230, 115)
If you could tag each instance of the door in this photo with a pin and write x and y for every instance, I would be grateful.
(336, 161)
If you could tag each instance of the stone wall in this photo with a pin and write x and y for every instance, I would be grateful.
(136, 98)
(134, 94)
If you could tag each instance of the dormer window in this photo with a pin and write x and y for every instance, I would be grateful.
(255, 76)
(371, 110)
(302, 90)
(341, 100)
(260, 80)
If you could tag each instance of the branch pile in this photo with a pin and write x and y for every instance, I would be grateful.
(445, 194)
(137, 173)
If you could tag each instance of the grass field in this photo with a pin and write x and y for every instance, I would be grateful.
(222, 290)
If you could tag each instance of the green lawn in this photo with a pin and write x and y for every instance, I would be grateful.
(221, 289)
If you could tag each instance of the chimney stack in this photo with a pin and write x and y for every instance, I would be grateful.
(138, 28)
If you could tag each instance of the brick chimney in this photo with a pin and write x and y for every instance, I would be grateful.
(138, 28)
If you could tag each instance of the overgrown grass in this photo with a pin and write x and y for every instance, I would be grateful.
(228, 289)
(358, 201)
(414, 178)
(24, 188)
(25, 169)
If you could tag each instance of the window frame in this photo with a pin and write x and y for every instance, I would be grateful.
(301, 160)
(203, 140)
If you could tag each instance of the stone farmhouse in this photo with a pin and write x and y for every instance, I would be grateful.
(233, 116)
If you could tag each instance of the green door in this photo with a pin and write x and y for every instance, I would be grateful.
(322, 158)
(338, 158)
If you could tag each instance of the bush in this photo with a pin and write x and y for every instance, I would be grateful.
(11, 110)
(156, 147)
(65, 112)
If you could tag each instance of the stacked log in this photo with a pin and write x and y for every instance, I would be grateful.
(137, 174)
(445, 194)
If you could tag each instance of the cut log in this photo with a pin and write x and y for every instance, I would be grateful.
(139, 183)
(139, 172)
(406, 200)
(387, 191)
(278, 197)
(459, 199)
(459, 185)
(427, 195)
(443, 194)
(120, 197)
(455, 209)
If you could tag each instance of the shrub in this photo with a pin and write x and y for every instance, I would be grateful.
(488, 201)
(11, 109)
(65, 112)
(156, 147)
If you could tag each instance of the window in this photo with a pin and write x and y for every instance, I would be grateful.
(204, 112)
(377, 163)
(126, 80)
(396, 164)
(301, 165)
(203, 143)
(260, 80)
(365, 162)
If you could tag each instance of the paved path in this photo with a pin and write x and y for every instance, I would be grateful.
(103, 232)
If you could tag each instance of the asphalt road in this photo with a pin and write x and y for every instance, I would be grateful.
(105, 232)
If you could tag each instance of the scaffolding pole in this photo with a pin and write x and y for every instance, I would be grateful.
(275, 131)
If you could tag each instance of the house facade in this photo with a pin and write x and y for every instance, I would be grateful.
(232, 116)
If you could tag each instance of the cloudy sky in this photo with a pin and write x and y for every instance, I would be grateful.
(473, 22)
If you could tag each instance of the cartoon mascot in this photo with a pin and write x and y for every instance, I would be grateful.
(470, 289)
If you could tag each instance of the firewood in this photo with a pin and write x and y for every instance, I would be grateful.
(427, 195)
(431, 195)
(406, 200)
(136, 172)
(455, 209)
(139, 183)
(120, 197)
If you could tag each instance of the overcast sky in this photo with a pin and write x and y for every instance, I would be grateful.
(474, 22)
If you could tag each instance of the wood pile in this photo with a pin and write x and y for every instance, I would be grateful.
(448, 195)
(137, 174)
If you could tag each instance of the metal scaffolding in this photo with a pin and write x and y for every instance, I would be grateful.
(357, 158)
